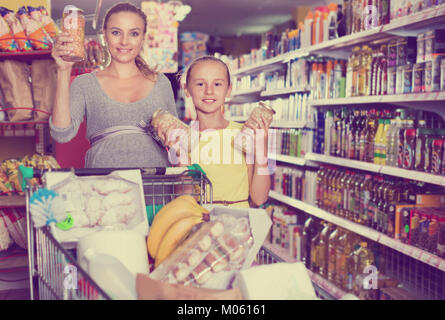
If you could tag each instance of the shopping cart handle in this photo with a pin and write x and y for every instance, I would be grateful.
(195, 167)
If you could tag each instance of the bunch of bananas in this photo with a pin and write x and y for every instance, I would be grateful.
(172, 224)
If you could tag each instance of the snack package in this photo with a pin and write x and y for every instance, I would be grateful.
(15, 222)
(36, 34)
(5, 185)
(17, 30)
(5, 239)
(40, 14)
(211, 256)
(10, 168)
(7, 42)
(109, 202)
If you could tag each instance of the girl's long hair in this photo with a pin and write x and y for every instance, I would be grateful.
(129, 7)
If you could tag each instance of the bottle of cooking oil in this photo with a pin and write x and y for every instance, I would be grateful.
(315, 250)
(364, 71)
(356, 62)
(333, 240)
(351, 267)
(365, 258)
(323, 249)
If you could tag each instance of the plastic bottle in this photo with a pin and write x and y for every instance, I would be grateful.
(377, 141)
(111, 275)
(356, 65)
(323, 249)
(384, 142)
(409, 147)
(390, 141)
(333, 239)
(332, 21)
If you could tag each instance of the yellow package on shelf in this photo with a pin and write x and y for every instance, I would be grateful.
(16, 4)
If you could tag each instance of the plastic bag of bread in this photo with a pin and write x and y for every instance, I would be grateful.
(211, 256)
(16, 89)
(44, 78)
(17, 30)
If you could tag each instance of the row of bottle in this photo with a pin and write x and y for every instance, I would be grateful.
(338, 255)
(294, 107)
(370, 199)
(384, 138)
(295, 183)
(292, 142)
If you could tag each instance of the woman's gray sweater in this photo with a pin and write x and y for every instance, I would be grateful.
(89, 101)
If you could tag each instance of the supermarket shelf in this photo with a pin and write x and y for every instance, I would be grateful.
(371, 167)
(26, 55)
(327, 286)
(405, 99)
(269, 64)
(366, 232)
(281, 92)
(289, 159)
(321, 214)
(339, 48)
(12, 201)
(242, 96)
(14, 123)
(278, 123)
(291, 124)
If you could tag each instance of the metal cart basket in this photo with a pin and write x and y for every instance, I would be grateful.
(54, 271)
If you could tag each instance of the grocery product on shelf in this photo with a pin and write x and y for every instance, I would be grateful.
(34, 31)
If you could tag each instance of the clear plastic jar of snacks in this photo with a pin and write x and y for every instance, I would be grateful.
(171, 128)
(244, 141)
(73, 22)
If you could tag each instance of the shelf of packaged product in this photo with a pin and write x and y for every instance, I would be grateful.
(371, 167)
(291, 124)
(340, 48)
(278, 123)
(12, 201)
(34, 54)
(438, 98)
(269, 64)
(363, 231)
(281, 92)
(246, 95)
(283, 255)
(288, 159)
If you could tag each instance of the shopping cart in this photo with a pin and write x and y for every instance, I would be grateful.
(53, 269)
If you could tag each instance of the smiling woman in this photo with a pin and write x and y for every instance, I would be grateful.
(113, 100)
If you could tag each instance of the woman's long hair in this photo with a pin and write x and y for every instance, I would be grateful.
(129, 7)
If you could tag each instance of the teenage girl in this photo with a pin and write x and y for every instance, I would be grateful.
(235, 178)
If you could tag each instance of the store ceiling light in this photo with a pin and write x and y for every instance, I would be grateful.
(181, 10)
